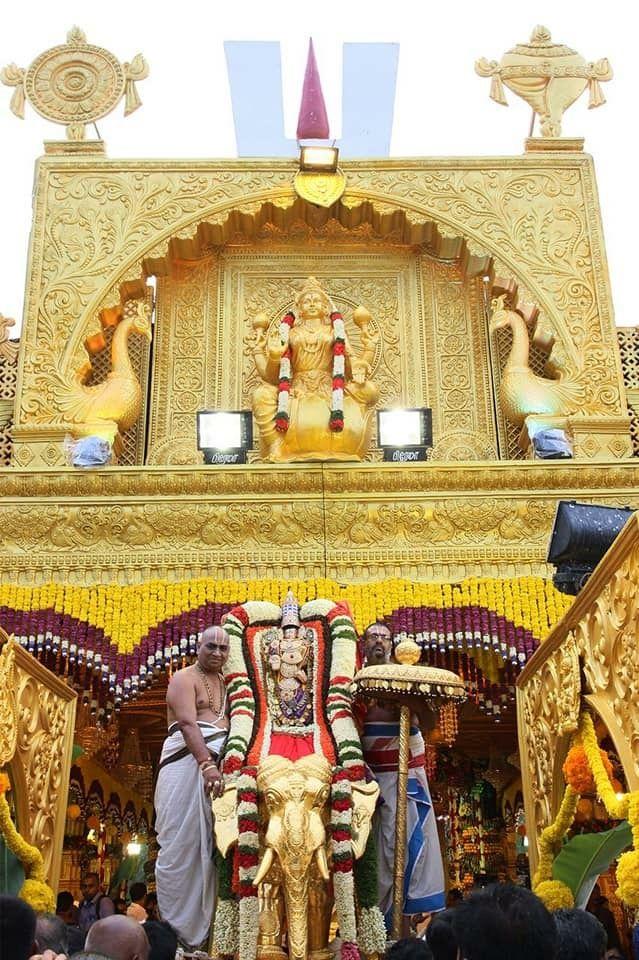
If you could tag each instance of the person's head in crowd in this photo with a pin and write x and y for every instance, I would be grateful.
(51, 934)
(89, 955)
(17, 928)
(410, 948)
(377, 643)
(120, 905)
(119, 938)
(151, 906)
(581, 936)
(65, 907)
(137, 893)
(453, 897)
(440, 937)
(504, 921)
(90, 885)
(162, 939)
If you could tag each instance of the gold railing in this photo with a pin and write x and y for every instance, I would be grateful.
(590, 657)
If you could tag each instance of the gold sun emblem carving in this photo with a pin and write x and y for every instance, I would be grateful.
(75, 83)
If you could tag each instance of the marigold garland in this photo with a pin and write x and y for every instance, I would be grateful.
(627, 807)
(34, 890)
(555, 894)
(577, 772)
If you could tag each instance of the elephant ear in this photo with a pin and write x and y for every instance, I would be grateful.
(225, 819)
(364, 802)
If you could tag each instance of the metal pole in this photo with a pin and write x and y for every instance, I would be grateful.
(399, 870)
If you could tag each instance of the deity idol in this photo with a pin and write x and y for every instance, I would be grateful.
(315, 401)
(296, 809)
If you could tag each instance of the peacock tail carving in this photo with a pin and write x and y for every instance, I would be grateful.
(521, 392)
(115, 404)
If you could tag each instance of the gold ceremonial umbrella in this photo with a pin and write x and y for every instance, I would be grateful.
(397, 682)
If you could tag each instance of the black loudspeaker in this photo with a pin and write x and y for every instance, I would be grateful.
(581, 535)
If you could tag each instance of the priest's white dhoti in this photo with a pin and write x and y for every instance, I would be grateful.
(185, 869)
(424, 876)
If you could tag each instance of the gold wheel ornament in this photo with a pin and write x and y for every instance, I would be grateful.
(75, 83)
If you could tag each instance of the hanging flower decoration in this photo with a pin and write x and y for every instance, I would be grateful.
(555, 894)
(284, 383)
(336, 422)
(113, 641)
(35, 891)
(577, 771)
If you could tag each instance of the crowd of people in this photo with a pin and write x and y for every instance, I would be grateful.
(99, 928)
(499, 922)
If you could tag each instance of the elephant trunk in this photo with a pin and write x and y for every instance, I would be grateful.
(296, 897)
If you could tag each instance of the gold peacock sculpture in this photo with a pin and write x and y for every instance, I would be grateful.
(521, 392)
(104, 409)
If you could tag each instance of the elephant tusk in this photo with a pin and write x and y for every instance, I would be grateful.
(322, 865)
(264, 867)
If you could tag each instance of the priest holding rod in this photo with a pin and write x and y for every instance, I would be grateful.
(399, 695)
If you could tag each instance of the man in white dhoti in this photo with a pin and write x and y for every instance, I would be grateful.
(424, 877)
(197, 717)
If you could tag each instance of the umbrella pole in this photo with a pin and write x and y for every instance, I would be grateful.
(399, 868)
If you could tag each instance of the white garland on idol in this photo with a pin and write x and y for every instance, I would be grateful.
(226, 929)
(371, 931)
(343, 643)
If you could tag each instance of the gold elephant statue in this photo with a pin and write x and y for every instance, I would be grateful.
(295, 863)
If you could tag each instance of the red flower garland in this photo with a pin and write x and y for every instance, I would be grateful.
(282, 416)
(336, 422)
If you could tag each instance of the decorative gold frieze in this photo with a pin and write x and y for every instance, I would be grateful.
(351, 523)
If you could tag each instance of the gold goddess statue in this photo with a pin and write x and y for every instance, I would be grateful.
(316, 400)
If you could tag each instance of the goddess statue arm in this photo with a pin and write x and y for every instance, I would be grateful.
(267, 352)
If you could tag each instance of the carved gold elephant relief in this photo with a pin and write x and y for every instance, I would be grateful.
(294, 870)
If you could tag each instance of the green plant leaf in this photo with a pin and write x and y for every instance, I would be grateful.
(588, 855)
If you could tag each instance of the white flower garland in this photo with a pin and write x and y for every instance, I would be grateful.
(249, 914)
(371, 931)
(226, 929)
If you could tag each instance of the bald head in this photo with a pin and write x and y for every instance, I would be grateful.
(120, 938)
(213, 649)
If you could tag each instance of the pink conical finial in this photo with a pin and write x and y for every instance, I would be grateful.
(312, 123)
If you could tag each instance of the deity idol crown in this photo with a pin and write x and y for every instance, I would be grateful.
(312, 285)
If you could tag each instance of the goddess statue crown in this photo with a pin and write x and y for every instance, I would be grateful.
(312, 285)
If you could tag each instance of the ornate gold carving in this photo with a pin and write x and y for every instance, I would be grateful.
(597, 637)
(347, 522)
(547, 710)
(8, 378)
(103, 409)
(522, 392)
(39, 709)
(548, 76)
(323, 189)
(75, 84)
(295, 797)
(8, 707)
(474, 209)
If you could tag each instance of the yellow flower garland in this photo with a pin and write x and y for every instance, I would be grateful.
(34, 890)
(127, 613)
(555, 894)
(625, 808)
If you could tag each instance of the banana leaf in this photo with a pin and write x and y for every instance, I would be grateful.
(581, 861)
